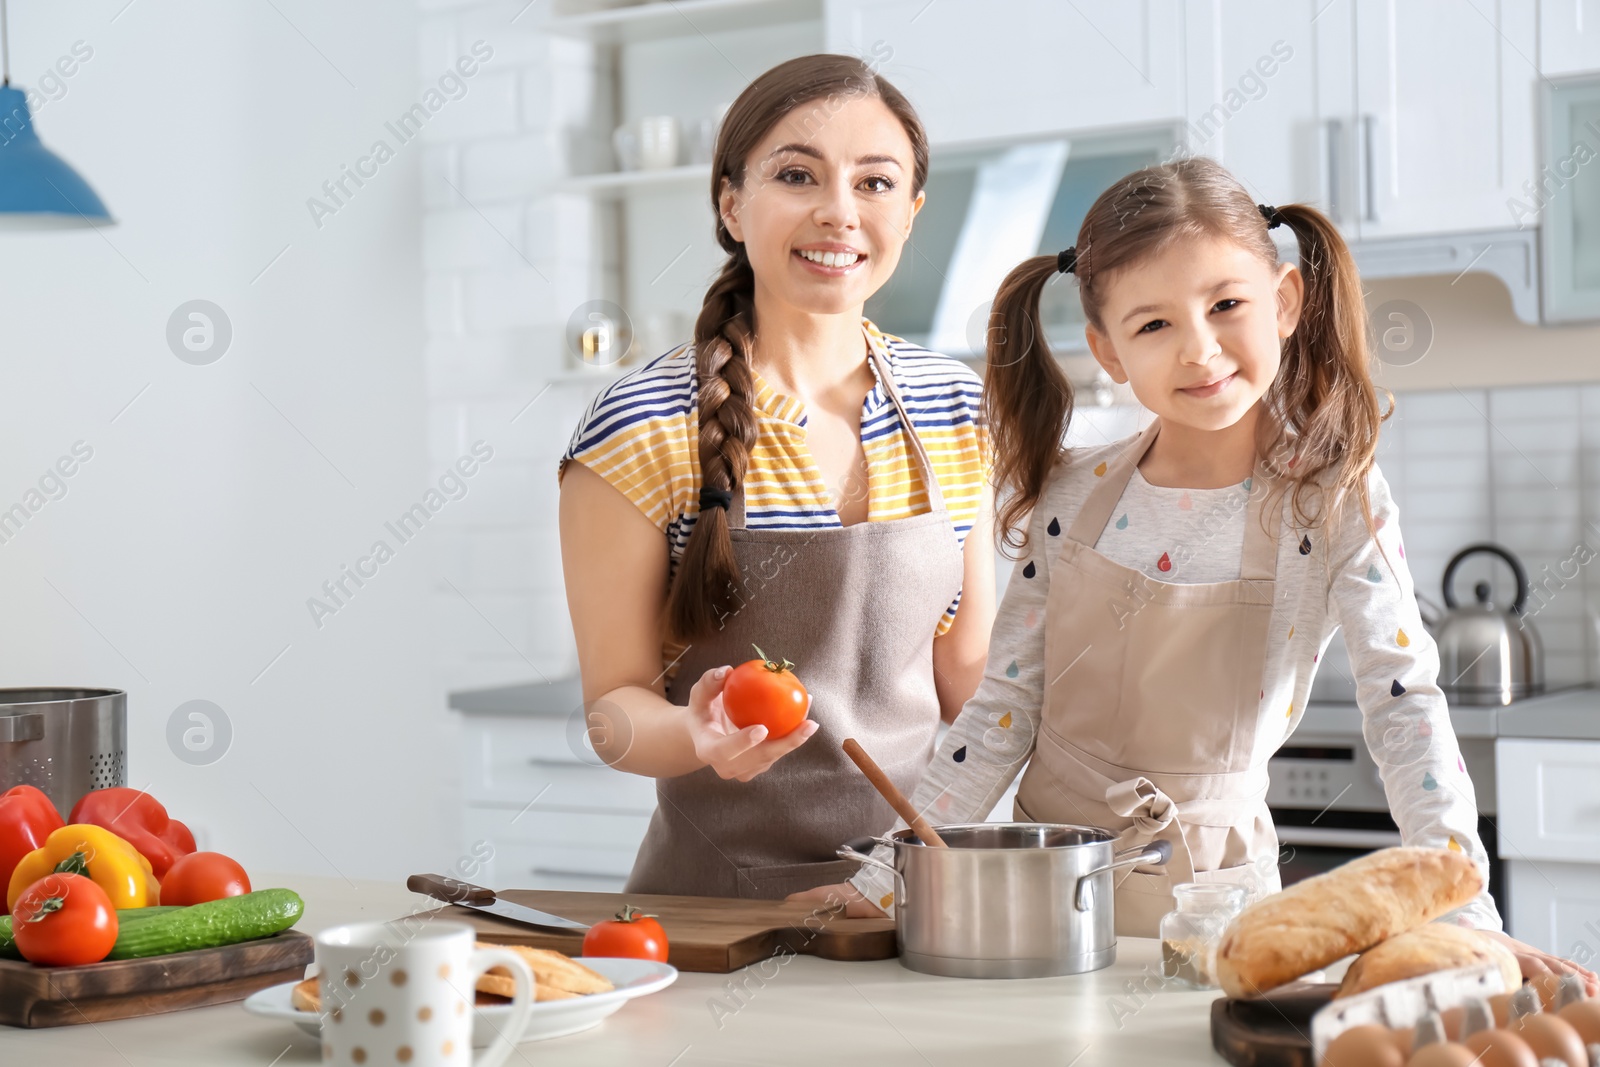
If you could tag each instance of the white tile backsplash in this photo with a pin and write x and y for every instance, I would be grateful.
(1519, 467)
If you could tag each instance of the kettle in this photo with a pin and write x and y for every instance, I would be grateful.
(1487, 656)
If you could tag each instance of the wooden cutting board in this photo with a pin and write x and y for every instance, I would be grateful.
(1272, 1030)
(121, 989)
(710, 934)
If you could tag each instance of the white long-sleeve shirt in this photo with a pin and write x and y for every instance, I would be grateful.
(1327, 578)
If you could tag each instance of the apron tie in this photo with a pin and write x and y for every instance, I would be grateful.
(1154, 815)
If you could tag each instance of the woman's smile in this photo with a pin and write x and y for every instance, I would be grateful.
(830, 259)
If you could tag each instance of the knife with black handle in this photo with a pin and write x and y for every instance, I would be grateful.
(467, 895)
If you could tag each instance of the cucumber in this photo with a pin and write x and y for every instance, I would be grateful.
(8, 944)
(217, 922)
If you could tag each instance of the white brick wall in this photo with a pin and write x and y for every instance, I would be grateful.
(506, 263)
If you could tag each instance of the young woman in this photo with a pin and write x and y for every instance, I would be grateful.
(793, 479)
(1176, 589)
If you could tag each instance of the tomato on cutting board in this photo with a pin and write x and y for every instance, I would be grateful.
(765, 692)
(202, 876)
(632, 934)
(63, 920)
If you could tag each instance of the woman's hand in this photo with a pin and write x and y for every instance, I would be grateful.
(731, 752)
(1535, 963)
(842, 895)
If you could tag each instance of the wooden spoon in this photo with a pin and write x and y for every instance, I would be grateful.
(897, 800)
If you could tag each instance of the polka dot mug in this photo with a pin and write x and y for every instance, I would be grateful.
(402, 992)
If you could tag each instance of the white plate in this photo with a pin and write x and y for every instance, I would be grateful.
(550, 1018)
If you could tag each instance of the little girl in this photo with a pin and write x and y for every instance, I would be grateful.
(1174, 591)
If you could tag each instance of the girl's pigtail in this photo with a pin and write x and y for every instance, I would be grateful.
(1027, 398)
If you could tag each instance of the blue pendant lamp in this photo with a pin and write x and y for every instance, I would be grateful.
(38, 189)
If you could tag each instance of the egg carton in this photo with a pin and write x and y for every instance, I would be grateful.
(1399, 1005)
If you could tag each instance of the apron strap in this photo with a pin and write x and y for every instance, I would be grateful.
(1102, 501)
(1258, 560)
(919, 453)
(1154, 815)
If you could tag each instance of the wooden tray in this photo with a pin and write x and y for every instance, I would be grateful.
(1269, 1031)
(710, 934)
(121, 989)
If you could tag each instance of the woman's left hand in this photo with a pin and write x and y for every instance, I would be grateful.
(844, 895)
(1535, 963)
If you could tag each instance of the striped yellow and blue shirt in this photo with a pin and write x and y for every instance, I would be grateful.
(642, 435)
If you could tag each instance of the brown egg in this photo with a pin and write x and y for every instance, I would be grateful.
(1584, 1017)
(1364, 1046)
(1501, 1048)
(1550, 1038)
(1442, 1054)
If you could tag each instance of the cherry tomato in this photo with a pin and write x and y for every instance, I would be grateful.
(202, 876)
(63, 920)
(632, 934)
(765, 692)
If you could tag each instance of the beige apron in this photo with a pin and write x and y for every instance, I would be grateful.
(855, 608)
(1152, 705)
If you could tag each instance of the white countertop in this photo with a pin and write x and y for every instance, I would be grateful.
(1569, 714)
(812, 1012)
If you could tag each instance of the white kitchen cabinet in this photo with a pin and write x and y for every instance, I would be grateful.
(1269, 96)
(1555, 907)
(1444, 113)
(555, 816)
(979, 71)
(1569, 37)
(1397, 119)
(1549, 799)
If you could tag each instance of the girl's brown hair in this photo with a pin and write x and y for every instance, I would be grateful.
(704, 588)
(1322, 409)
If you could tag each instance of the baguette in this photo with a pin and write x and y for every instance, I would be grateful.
(1348, 909)
(1429, 948)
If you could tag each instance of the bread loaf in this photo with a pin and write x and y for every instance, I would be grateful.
(1430, 947)
(1348, 909)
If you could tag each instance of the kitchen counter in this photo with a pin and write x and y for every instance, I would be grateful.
(811, 1012)
(1570, 714)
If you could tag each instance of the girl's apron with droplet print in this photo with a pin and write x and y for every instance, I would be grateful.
(855, 608)
(1152, 707)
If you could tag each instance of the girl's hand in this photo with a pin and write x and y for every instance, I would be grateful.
(1535, 963)
(844, 894)
(731, 752)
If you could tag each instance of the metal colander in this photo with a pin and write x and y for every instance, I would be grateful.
(65, 741)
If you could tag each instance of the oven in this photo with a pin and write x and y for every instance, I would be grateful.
(1328, 803)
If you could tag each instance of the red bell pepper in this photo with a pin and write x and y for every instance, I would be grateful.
(26, 818)
(139, 819)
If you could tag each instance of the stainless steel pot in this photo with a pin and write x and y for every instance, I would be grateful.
(64, 741)
(1006, 900)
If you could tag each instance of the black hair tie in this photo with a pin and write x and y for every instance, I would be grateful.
(1271, 214)
(1067, 260)
(715, 498)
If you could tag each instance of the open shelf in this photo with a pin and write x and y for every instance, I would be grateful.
(658, 19)
(618, 183)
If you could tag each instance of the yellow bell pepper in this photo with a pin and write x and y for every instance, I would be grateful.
(97, 853)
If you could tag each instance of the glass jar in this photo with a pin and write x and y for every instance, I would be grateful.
(1190, 933)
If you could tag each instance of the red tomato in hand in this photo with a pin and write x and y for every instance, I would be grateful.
(632, 934)
(202, 876)
(63, 920)
(765, 692)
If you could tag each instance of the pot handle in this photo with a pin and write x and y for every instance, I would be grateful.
(26, 727)
(1156, 852)
(858, 849)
